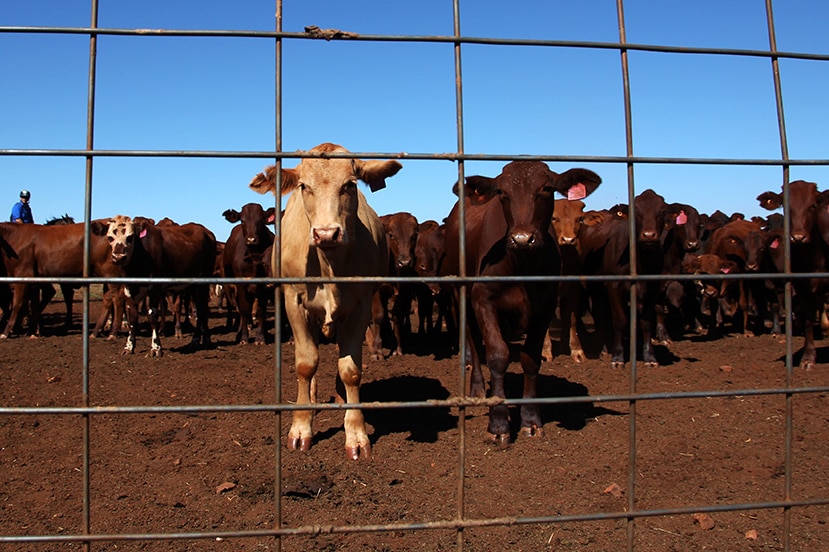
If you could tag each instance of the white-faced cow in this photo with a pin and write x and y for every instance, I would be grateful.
(147, 250)
(508, 233)
(329, 230)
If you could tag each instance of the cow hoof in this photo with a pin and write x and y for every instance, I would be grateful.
(3, 336)
(499, 439)
(299, 443)
(651, 364)
(620, 364)
(532, 431)
(807, 365)
(33, 336)
(578, 356)
(357, 452)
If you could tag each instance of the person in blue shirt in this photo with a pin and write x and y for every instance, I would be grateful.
(22, 211)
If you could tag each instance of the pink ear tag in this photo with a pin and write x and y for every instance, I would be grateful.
(681, 218)
(726, 270)
(143, 233)
(775, 244)
(577, 192)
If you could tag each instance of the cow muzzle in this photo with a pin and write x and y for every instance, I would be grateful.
(327, 237)
(523, 240)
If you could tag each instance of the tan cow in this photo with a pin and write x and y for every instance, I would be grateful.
(329, 230)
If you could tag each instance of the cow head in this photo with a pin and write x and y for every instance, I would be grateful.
(328, 191)
(429, 251)
(401, 234)
(685, 223)
(651, 213)
(803, 203)
(254, 219)
(568, 218)
(709, 264)
(120, 232)
(525, 190)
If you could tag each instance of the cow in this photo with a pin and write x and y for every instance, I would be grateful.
(244, 257)
(710, 290)
(329, 231)
(568, 219)
(606, 251)
(34, 250)
(508, 233)
(401, 234)
(145, 250)
(429, 255)
(809, 250)
(729, 242)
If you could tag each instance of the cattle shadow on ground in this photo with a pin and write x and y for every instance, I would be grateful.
(570, 416)
(422, 424)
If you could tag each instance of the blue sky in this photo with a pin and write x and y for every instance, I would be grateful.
(217, 94)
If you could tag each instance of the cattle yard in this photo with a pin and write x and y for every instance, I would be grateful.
(643, 424)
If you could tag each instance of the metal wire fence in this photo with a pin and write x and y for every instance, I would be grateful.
(632, 513)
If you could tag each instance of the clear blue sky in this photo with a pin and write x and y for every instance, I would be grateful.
(169, 93)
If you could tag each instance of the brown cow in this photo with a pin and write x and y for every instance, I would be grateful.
(809, 236)
(568, 219)
(145, 250)
(41, 250)
(510, 236)
(710, 290)
(606, 251)
(329, 230)
(429, 255)
(401, 234)
(244, 257)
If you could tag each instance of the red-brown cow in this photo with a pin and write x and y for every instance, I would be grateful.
(568, 219)
(244, 257)
(710, 291)
(606, 251)
(510, 236)
(429, 255)
(401, 235)
(809, 235)
(329, 230)
(146, 250)
(41, 250)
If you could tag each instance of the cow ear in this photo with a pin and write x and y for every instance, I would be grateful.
(593, 218)
(270, 215)
(479, 189)
(576, 183)
(375, 172)
(770, 200)
(232, 216)
(99, 228)
(823, 198)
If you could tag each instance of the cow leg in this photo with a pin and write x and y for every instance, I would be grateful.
(306, 355)
(261, 312)
(530, 364)
(619, 319)
(807, 312)
(19, 295)
(131, 307)
(647, 313)
(200, 294)
(497, 359)
(243, 302)
(349, 372)
(68, 293)
(374, 339)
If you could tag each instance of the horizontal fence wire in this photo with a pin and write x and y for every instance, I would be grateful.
(457, 403)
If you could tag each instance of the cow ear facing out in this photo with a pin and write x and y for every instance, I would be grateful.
(770, 200)
(265, 181)
(375, 172)
(576, 183)
(478, 189)
(232, 215)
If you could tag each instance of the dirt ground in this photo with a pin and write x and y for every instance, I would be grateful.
(214, 472)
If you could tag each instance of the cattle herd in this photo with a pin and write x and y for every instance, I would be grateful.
(514, 227)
